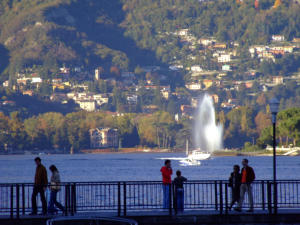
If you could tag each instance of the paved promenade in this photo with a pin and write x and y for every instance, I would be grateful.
(162, 217)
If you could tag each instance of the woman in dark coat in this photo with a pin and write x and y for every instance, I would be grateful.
(235, 183)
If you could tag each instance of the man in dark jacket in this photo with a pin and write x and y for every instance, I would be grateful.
(248, 176)
(40, 185)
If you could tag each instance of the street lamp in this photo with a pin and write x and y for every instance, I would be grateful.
(274, 108)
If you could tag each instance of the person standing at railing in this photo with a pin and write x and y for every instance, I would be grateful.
(40, 186)
(235, 184)
(166, 172)
(179, 191)
(248, 176)
(55, 188)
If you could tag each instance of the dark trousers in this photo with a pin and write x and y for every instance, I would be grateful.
(180, 199)
(36, 190)
(235, 196)
(53, 201)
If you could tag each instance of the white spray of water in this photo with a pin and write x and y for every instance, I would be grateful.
(208, 135)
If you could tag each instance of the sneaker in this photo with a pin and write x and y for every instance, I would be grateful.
(237, 209)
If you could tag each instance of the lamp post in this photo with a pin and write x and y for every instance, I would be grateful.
(274, 108)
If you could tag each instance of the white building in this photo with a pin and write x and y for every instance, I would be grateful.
(183, 32)
(97, 73)
(278, 38)
(36, 80)
(88, 105)
(6, 83)
(196, 68)
(101, 99)
(193, 86)
(224, 58)
(132, 99)
(175, 67)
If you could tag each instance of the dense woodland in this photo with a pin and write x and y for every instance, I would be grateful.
(56, 131)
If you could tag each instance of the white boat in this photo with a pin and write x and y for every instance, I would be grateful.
(189, 162)
(198, 155)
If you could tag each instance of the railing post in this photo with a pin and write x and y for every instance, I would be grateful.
(221, 197)
(170, 199)
(23, 199)
(226, 198)
(216, 195)
(124, 198)
(269, 192)
(11, 201)
(73, 199)
(69, 198)
(18, 200)
(66, 200)
(175, 206)
(263, 195)
(119, 199)
(275, 197)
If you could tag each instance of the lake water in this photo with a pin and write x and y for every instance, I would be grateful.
(143, 167)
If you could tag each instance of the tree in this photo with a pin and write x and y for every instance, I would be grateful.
(277, 3)
(262, 121)
(261, 100)
(17, 132)
(115, 70)
(4, 130)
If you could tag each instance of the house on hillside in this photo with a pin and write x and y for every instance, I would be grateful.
(193, 86)
(87, 105)
(278, 38)
(149, 109)
(277, 80)
(224, 58)
(187, 110)
(196, 68)
(104, 138)
(226, 67)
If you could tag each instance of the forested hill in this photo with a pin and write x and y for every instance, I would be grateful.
(127, 33)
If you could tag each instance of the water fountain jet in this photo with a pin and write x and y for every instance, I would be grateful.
(208, 136)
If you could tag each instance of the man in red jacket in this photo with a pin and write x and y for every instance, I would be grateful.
(166, 172)
(248, 176)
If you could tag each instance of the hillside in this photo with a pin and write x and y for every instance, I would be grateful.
(50, 33)
(127, 33)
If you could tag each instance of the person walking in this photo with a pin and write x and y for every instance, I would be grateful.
(55, 188)
(235, 184)
(248, 176)
(166, 172)
(40, 185)
(179, 191)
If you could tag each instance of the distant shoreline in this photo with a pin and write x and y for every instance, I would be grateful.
(224, 153)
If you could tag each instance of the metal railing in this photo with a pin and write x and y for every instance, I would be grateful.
(123, 197)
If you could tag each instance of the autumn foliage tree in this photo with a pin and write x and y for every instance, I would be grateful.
(277, 3)
(115, 71)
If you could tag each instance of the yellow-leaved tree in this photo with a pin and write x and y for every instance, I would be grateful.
(277, 3)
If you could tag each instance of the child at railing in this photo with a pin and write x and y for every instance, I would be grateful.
(179, 191)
